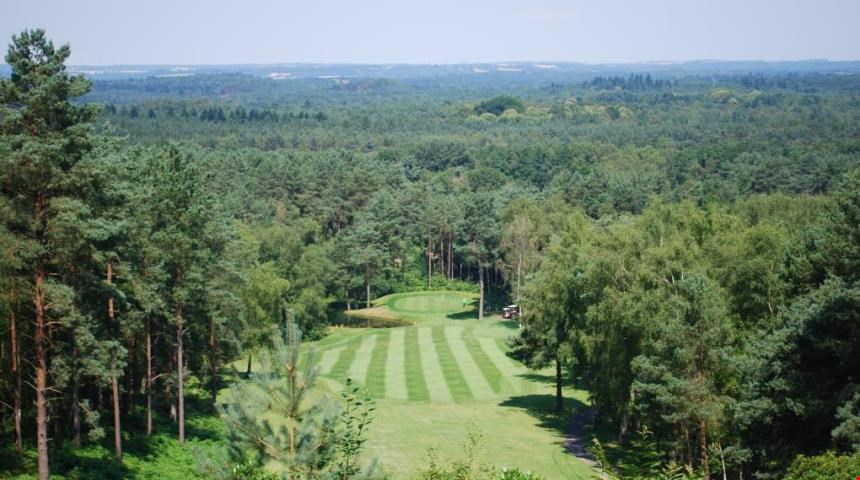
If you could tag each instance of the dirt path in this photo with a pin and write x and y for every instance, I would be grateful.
(576, 436)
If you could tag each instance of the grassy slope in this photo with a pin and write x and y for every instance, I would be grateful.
(447, 374)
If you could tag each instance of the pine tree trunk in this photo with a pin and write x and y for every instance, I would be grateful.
(481, 286)
(180, 380)
(213, 347)
(519, 275)
(442, 251)
(703, 450)
(429, 260)
(367, 286)
(128, 376)
(41, 370)
(76, 408)
(248, 369)
(16, 371)
(450, 256)
(117, 430)
(148, 376)
(559, 398)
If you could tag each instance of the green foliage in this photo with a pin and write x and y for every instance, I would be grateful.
(499, 105)
(466, 467)
(353, 420)
(824, 467)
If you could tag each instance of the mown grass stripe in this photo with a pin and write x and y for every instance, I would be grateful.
(375, 381)
(327, 359)
(489, 369)
(452, 368)
(505, 365)
(433, 376)
(361, 361)
(395, 373)
(415, 383)
(340, 369)
(469, 369)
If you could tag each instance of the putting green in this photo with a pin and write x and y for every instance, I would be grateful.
(429, 303)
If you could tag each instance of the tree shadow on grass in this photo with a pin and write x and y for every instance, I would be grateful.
(464, 315)
(542, 408)
(509, 324)
(538, 378)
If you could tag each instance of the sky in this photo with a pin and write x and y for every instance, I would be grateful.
(172, 32)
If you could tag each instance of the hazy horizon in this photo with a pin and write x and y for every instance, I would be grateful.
(380, 32)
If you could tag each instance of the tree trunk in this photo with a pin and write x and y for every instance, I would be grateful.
(128, 376)
(519, 275)
(248, 369)
(622, 429)
(450, 256)
(117, 430)
(429, 260)
(180, 380)
(148, 376)
(76, 408)
(41, 370)
(16, 371)
(213, 348)
(703, 449)
(559, 399)
(481, 286)
(367, 286)
(442, 252)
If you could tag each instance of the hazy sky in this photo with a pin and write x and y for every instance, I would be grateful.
(439, 31)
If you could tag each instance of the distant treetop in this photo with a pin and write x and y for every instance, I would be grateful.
(498, 105)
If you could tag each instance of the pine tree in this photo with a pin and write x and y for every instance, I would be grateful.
(45, 136)
(181, 213)
(304, 443)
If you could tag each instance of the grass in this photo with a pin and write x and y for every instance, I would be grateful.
(448, 371)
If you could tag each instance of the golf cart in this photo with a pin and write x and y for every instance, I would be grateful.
(510, 312)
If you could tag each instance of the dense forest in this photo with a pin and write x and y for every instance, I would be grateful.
(684, 248)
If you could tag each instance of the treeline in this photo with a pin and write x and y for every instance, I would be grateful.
(210, 113)
(725, 338)
(633, 82)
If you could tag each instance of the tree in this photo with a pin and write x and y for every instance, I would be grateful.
(520, 242)
(183, 213)
(366, 252)
(481, 231)
(554, 326)
(683, 372)
(315, 438)
(45, 136)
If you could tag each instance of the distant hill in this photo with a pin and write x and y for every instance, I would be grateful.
(547, 70)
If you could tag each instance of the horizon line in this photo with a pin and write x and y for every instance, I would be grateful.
(499, 62)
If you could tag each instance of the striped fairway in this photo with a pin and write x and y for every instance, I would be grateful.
(433, 376)
(395, 373)
(481, 390)
(361, 362)
(376, 371)
(441, 372)
(415, 384)
(328, 359)
(441, 363)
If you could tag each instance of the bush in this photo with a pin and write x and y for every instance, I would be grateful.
(824, 467)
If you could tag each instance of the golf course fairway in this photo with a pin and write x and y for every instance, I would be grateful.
(444, 376)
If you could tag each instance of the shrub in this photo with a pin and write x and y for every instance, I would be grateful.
(824, 467)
